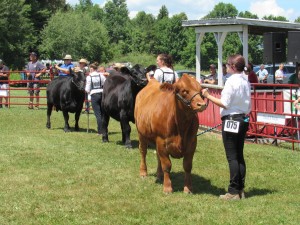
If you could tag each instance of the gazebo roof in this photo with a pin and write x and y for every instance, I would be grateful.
(255, 26)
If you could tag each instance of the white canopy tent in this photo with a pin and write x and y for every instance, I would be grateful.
(221, 27)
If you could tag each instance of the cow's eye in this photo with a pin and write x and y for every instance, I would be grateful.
(184, 92)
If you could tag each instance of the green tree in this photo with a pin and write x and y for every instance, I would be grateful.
(163, 13)
(76, 34)
(222, 10)
(297, 20)
(116, 20)
(276, 18)
(209, 53)
(17, 34)
(142, 33)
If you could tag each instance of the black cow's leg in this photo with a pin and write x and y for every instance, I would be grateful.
(66, 117)
(49, 111)
(105, 122)
(77, 116)
(126, 129)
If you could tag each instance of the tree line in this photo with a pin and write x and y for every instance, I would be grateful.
(54, 28)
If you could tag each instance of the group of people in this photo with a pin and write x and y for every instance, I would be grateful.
(260, 77)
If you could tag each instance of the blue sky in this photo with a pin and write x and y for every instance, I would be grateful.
(195, 9)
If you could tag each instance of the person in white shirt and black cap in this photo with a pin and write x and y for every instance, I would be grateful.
(94, 87)
(235, 104)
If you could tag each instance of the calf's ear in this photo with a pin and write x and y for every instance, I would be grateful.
(151, 67)
(125, 70)
(71, 70)
(166, 87)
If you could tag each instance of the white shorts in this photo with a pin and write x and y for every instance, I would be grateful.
(3, 91)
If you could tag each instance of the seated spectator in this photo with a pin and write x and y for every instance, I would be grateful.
(4, 73)
(213, 77)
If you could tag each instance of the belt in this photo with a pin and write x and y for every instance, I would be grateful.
(233, 116)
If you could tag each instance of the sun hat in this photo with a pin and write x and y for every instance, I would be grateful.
(83, 61)
(68, 57)
(118, 65)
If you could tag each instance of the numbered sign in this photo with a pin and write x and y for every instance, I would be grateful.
(231, 126)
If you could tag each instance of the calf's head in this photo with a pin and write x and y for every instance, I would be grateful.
(188, 91)
(138, 73)
(78, 78)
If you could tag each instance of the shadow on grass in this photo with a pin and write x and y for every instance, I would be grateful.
(135, 145)
(258, 192)
(202, 185)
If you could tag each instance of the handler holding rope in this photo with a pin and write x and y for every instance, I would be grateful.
(235, 104)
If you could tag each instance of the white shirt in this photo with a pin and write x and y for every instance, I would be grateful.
(279, 74)
(165, 74)
(236, 95)
(262, 73)
(94, 83)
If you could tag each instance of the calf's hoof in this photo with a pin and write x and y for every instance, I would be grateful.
(187, 190)
(66, 130)
(104, 139)
(128, 146)
(48, 126)
(168, 190)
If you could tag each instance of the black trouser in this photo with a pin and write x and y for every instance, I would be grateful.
(234, 148)
(96, 104)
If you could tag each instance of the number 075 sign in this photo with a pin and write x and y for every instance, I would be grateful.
(231, 126)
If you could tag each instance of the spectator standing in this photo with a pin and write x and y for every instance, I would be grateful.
(225, 74)
(262, 74)
(213, 77)
(83, 65)
(4, 74)
(279, 74)
(102, 70)
(94, 87)
(165, 71)
(34, 70)
(295, 78)
(64, 69)
(235, 104)
(252, 77)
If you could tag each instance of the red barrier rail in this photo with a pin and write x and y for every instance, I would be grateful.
(272, 114)
(17, 99)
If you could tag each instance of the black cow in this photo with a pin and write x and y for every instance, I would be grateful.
(66, 93)
(118, 99)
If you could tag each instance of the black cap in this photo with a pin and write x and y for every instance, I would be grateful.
(33, 53)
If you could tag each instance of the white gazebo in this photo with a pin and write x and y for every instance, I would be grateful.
(243, 26)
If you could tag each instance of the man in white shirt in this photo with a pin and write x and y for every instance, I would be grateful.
(262, 74)
(279, 74)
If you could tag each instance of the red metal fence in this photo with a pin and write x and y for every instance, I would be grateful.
(272, 114)
(18, 91)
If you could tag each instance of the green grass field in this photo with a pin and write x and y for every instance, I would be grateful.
(52, 177)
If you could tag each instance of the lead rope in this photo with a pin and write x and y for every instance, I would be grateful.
(210, 129)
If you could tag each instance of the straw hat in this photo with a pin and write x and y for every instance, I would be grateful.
(83, 61)
(68, 57)
(118, 65)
